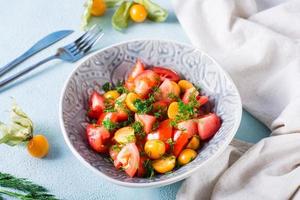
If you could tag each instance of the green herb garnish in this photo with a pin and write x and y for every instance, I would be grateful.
(143, 106)
(28, 190)
(186, 111)
(149, 169)
(120, 87)
(173, 96)
(138, 129)
(109, 125)
(107, 87)
(155, 125)
(171, 143)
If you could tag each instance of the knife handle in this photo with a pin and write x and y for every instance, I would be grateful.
(14, 63)
(25, 71)
(38, 46)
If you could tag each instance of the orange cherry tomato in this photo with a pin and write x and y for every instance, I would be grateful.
(38, 146)
(138, 13)
(98, 8)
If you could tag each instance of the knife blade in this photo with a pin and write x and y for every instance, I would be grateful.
(38, 46)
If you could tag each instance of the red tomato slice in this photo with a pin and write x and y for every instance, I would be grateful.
(113, 117)
(129, 156)
(146, 120)
(137, 70)
(166, 88)
(208, 125)
(181, 139)
(190, 127)
(202, 100)
(98, 137)
(144, 82)
(165, 73)
(96, 105)
(188, 93)
(165, 130)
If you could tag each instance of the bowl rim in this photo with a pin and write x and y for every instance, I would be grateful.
(161, 182)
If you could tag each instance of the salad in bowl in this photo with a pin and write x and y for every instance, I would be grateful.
(148, 113)
(154, 122)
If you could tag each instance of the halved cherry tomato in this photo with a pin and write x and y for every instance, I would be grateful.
(96, 105)
(98, 137)
(189, 93)
(165, 73)
(181, 139)
(173, 110)
(130, 100)
(184, 85)
(125, 135)
(202, 100)
(146, 120)
(208, 125)
(111, 95)
(168, 90)
(129, 156)
(189, 126)
(144, 82)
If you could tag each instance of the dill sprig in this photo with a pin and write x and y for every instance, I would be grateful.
(30, 191)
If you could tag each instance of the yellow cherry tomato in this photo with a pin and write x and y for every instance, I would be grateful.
(164, 164)
(130, 99)
(194, 143)
(125, 135)
(120, 104)
(138, 13)
(98, 8)
(112, 94)
(173, 110)
(186, 156)
(38, 146)
(184, 85)
(155, 148)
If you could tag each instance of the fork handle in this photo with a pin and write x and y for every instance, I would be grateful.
(25, 71)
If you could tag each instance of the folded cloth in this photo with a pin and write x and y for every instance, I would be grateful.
(260, 50)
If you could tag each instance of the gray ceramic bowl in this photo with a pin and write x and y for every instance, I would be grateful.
(113, 63)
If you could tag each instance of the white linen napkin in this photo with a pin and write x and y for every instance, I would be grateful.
(261, 52)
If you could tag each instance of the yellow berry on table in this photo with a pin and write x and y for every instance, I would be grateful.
(38, 146)
(98, 8)
(138, 13)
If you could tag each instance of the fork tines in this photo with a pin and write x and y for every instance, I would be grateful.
(85, 42)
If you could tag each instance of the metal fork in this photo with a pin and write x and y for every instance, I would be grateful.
(70, 53)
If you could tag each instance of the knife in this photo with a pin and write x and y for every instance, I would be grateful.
(40, 45)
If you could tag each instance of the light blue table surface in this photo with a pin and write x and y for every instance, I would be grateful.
(24, 22)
